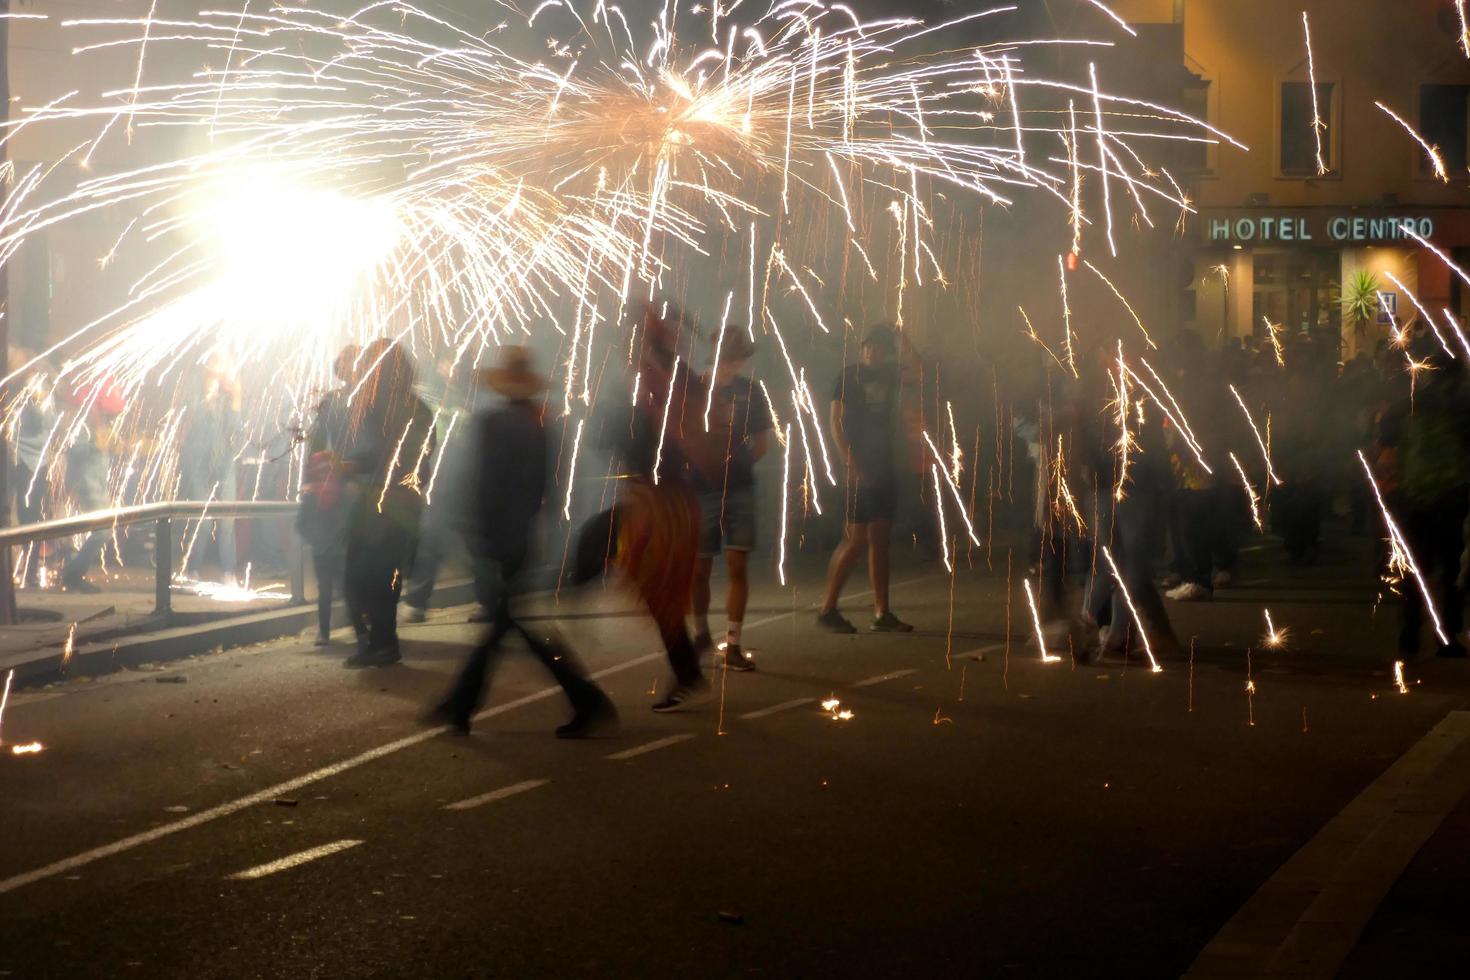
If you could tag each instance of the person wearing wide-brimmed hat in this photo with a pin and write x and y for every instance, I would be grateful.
(739, 422)
(865, 420)
(506, 486)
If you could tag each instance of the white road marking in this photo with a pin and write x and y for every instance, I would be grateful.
(291, 785)
(283, 789)
(654, 746)
(890, 676)
(1308, 916)
(784, 705)
(292, 860)
(497, 794)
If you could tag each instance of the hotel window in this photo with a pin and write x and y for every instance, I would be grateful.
(1298, 144)
(1444, 124)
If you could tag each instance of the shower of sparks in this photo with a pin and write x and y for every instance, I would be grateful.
(1274, 638)
(71, 640)
(954, 490)
(1132, 610)
(387, 172)
(1398, 677)
(230, 591)
(1067, 346)
(1261, 443)
(956, 454)
(1273, 334)
(29, 748)
(566, 510)
(1432, 152)
(1464, 27)
(663, 426)
(835, 711)
(785, 504)
(1118, 20)
(1063, 497)
(1429, 319)
(4, 700)
(1400, 558)
(1318, 126)
(1046, 658)
(939, 509)
(1125, 440)
(1126, 305)
(1250, 494)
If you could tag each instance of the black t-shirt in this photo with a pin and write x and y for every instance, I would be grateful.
(869, 398)
(737, 414)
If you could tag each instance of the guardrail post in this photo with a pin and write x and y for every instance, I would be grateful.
(296, 556)
(163, 567)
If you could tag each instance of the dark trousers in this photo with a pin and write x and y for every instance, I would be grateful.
(1204, 530)
(435, 542)
(380, 549)
(468, 691)
(1131, 530)
(330, 567)
(1296, 512)
(1436, 536)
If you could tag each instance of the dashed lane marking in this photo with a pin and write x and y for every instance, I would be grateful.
(892, 675)
(654, 746)
(783, 706)
(293, 860)
(498, 794)
(326, 772)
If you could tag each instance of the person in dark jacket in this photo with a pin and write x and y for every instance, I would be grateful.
(326, 496)
(390, 441)
(505, 486)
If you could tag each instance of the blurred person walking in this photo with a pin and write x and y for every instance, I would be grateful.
(87, 460)
(740, 425)
(864, 420)
(207, 457)
(503, 495)
(327, 495)
(390, 440)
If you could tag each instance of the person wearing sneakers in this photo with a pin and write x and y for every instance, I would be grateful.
(503, 493)
(865, 413)
(739, 424)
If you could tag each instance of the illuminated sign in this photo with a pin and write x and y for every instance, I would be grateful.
(1317, 227)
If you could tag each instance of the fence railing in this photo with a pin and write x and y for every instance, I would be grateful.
(162, 515)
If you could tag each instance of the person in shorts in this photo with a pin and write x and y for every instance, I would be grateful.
(740, 425)
(865, 417)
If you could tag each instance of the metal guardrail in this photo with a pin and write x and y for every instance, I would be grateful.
(162, 515)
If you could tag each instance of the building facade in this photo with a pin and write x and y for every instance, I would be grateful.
(1333, 185)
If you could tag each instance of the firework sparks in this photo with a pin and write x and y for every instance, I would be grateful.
(28, 748)
(1261, 443)
(1398, 677)
(1250, 494)
(1400, 558)
(4, 700)
(1435, 160)
(1046, 658)
(1132, 610)
(1318, 126)
(1274, 638)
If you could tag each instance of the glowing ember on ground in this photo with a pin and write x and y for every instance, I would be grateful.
(29, 748)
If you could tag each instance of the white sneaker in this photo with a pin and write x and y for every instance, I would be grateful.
(1189, 592)
(411, 614)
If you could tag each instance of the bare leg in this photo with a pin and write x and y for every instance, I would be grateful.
(702, 569)
(739, 594)
(879, 538)
(854, 543)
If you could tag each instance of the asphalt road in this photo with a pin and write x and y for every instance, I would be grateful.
(265, 813)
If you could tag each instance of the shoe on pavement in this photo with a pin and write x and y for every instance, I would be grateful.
(834, 622)
(683, 696)
(1189, 592)
(322, 639)
(481, 614)
(599, 720)
(1221, 579)
(410, 613)
(703, 643)
(889, 623)
(374, 657)
(737, 659)
(449, 713)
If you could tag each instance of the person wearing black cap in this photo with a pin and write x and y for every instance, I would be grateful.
(865, 411)
(739, 423)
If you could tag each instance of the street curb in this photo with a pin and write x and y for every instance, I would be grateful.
(177, 642)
